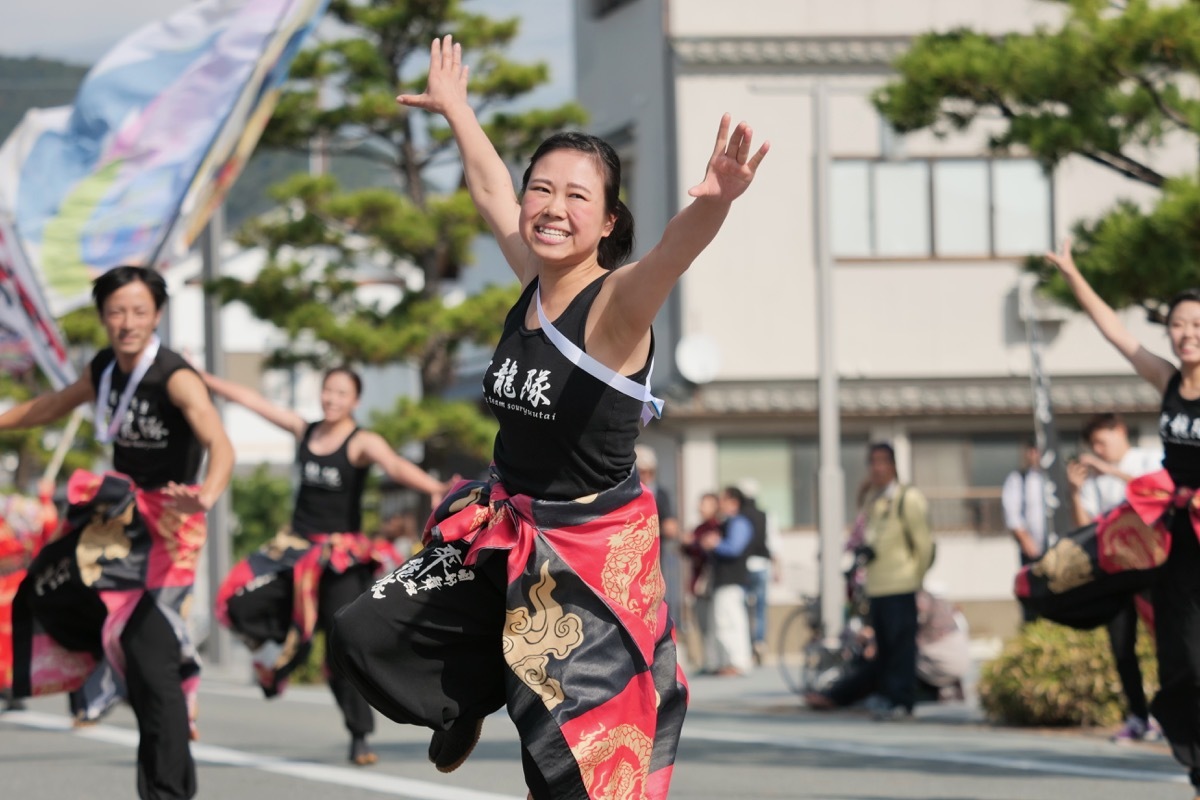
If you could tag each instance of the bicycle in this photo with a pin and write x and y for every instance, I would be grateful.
(806, 661)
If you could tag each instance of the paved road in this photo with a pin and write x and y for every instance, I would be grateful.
(745, 738)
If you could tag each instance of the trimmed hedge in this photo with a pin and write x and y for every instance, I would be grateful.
(1051, 675)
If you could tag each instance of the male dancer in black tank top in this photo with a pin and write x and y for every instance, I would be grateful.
(160, 419)
(333, 457)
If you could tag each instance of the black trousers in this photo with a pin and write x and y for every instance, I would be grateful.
(894, 618)
(337, 592)
(1176, 596)
(1122, 637)
(451, 666)
(1027, 614)
(165, 770)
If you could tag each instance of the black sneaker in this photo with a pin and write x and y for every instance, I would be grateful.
(449, 749)
(361, 752)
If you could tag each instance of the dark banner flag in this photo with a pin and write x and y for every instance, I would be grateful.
(1058, 510)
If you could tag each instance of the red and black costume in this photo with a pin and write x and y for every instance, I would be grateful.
(104, 605)
(539, 589)
(1150, 541)
(278, 597)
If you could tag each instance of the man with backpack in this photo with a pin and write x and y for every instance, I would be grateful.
(899, 551)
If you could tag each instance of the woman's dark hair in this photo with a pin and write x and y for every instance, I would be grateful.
(349, 373)
(1186, 296)
(882, 447)
(119, 277)
(616, 247)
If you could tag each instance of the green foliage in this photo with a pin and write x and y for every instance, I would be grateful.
(34, 82)
(328, 239)
(1053, 675)
(1112, 80)
(262, 505)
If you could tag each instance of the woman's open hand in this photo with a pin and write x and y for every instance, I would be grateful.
(731, 167)
(447, 85)
(1063, 260)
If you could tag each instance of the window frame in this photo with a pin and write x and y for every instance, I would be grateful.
(934, 255)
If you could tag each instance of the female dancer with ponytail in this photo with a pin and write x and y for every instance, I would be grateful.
(540, 589)
(277, 597)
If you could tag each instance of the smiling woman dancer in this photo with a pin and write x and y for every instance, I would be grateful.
(325, 553)
(1169, 496)
(540, 588)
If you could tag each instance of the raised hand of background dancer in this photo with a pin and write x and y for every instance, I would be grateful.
(1063, 261)
(731, 168)
(447, 84)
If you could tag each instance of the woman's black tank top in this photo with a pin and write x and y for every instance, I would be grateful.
(329, 497)
(1179, 427)
(563, 433)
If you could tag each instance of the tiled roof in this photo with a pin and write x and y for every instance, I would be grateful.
(789, 50)
(869, 398)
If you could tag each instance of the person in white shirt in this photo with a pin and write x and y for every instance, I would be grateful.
(1023, 498)
(1098, 480)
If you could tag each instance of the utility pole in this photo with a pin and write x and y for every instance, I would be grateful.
(830, 480)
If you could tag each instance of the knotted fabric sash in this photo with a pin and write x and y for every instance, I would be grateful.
(116, 545)
(1090, 573)
(594, 689)
(27, 524)
(270, 598)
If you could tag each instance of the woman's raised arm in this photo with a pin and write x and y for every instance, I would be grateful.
(281, 417)
(1154, 369)
(641, 289)
(488, 178)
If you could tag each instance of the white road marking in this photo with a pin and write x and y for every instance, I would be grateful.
(393, 785)
(1047, 766)
(397, 786)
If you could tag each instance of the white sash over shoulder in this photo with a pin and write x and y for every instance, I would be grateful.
(107, 427)
(572, 352)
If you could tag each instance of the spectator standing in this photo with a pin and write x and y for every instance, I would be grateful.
(900, 549)
(729, 653)
(1023, 498)
(700, 574)
(668, 533)
(760, 561)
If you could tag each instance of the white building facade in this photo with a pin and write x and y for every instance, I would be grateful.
(928, 234)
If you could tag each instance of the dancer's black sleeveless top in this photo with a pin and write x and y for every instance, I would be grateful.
(155, 444)
(329, 497)
(1179, 427)
(563, 433)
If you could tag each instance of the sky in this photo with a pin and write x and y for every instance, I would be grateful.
(80, 31)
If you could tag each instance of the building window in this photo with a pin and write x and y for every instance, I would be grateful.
(939, 208)
(785, 471)
(961, 475)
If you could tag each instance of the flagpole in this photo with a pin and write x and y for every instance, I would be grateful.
(219, 642)
(64, 444)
